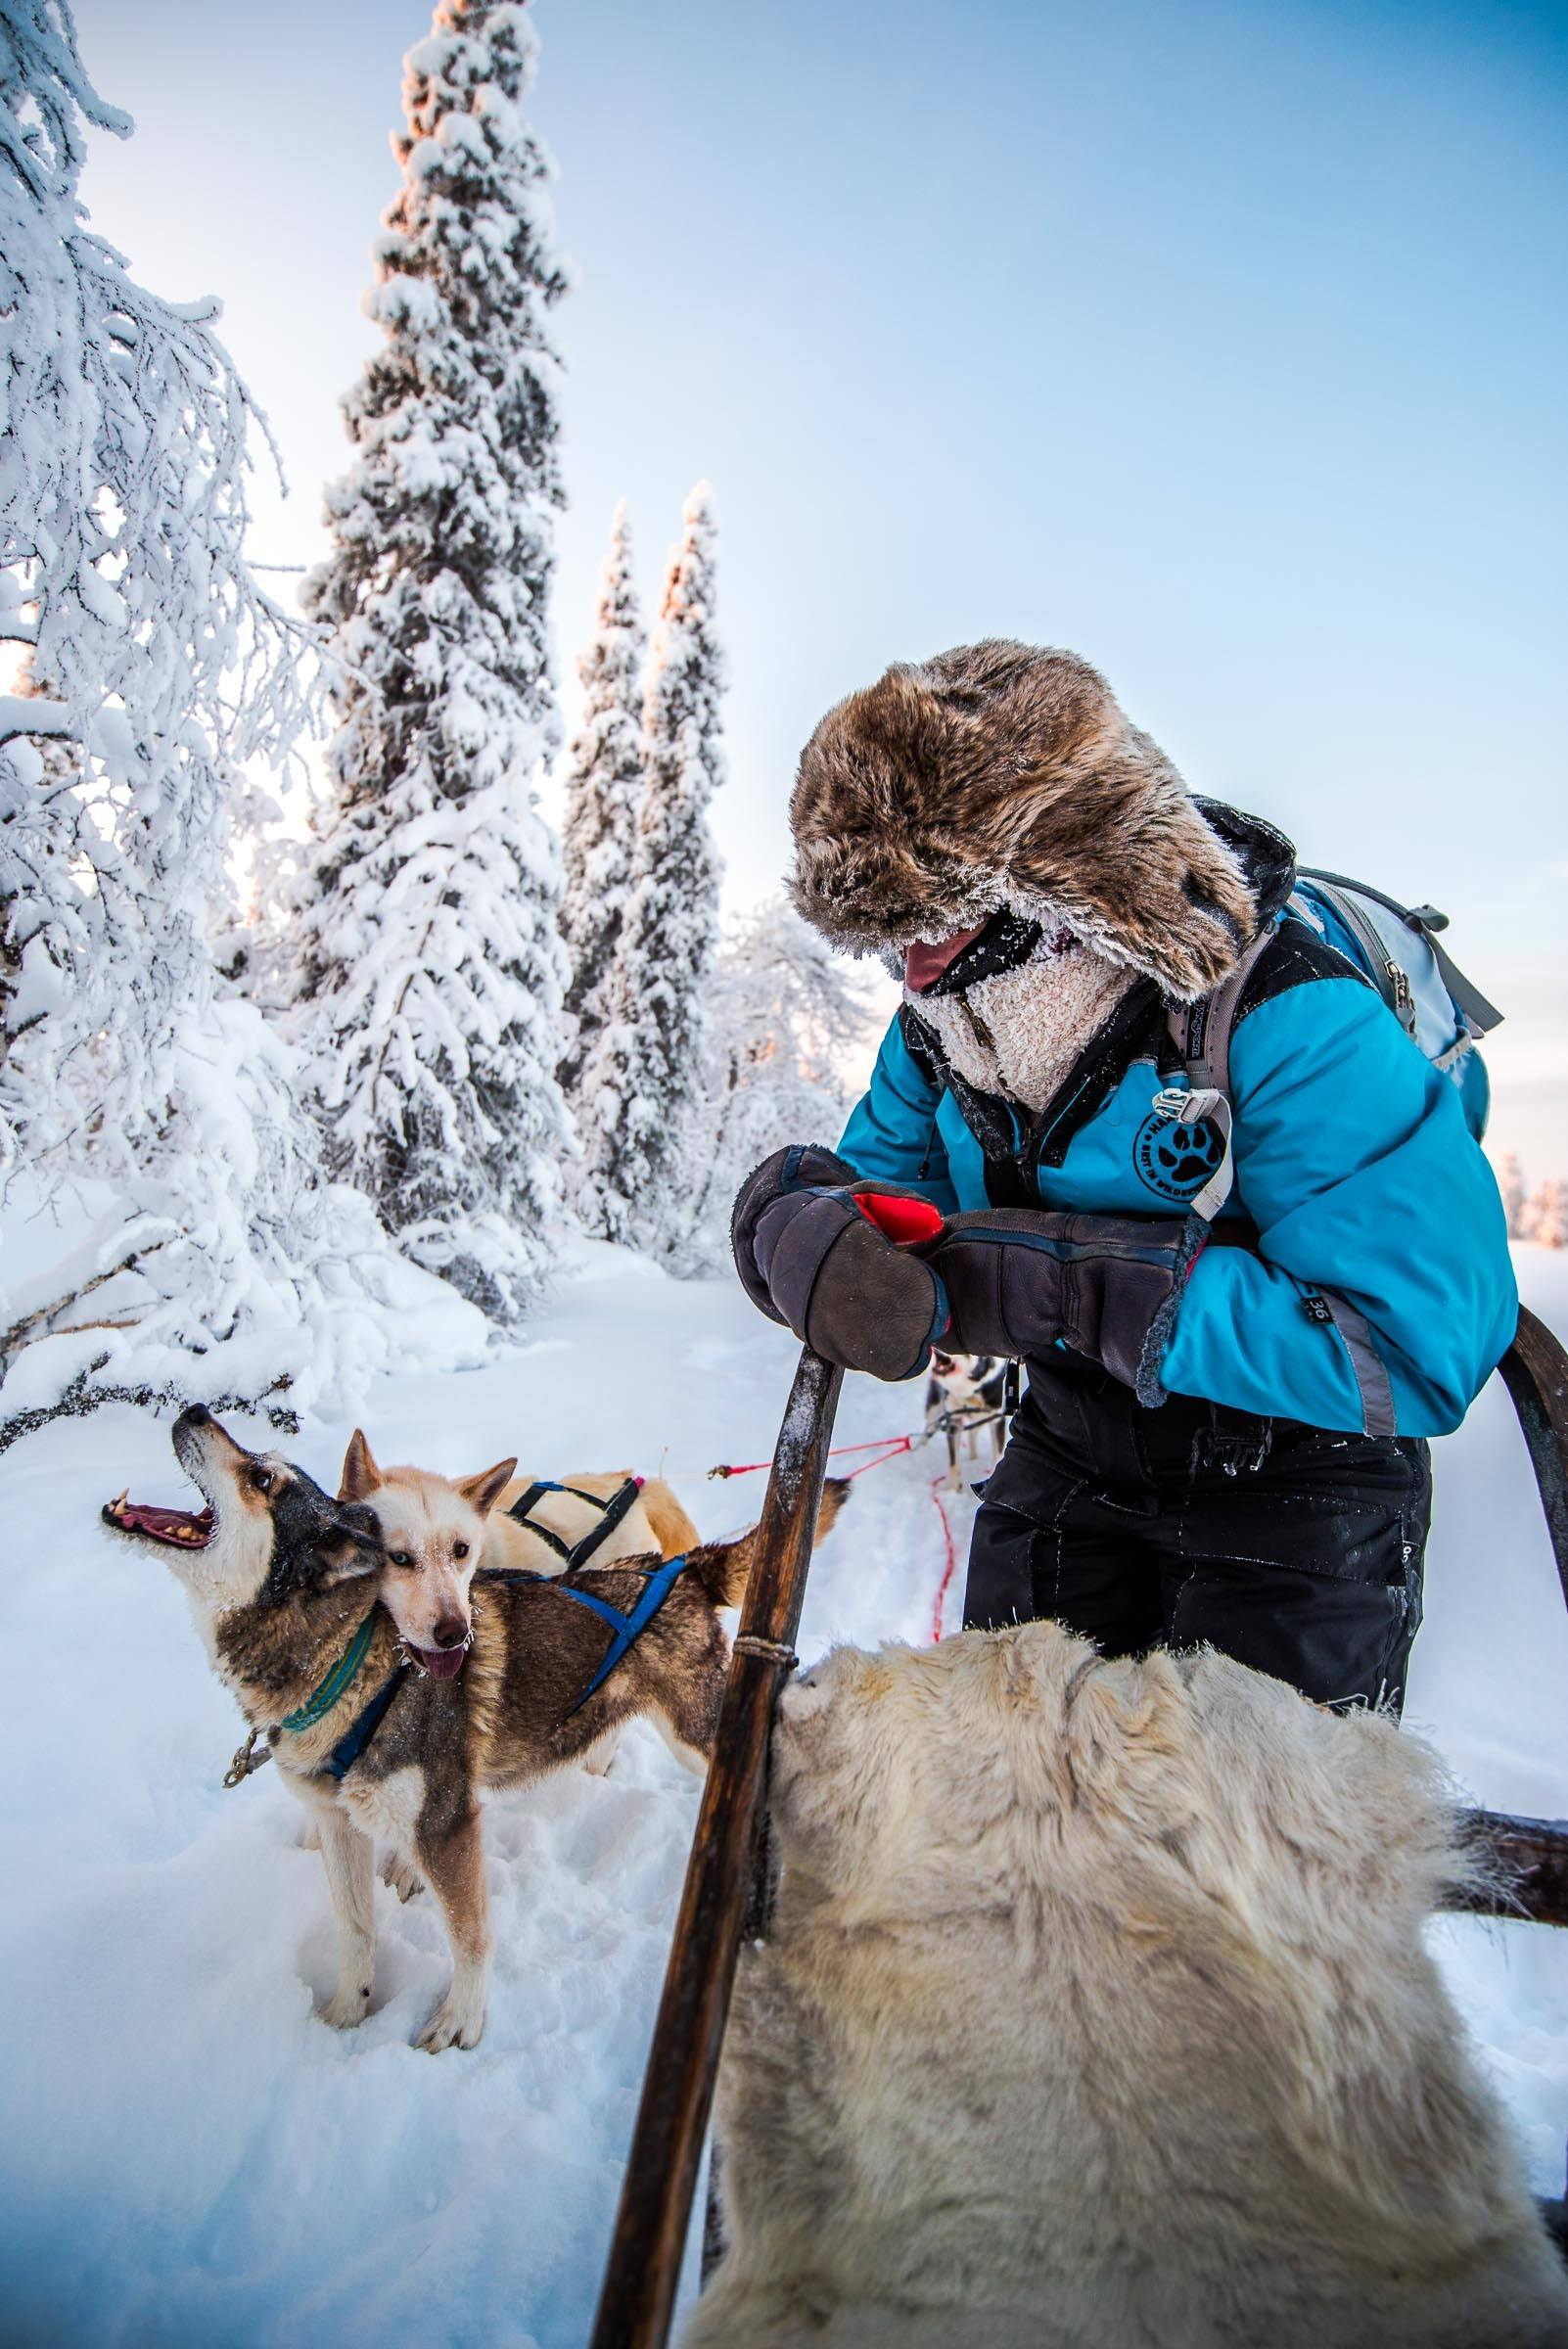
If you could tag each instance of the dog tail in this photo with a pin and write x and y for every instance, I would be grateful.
(722, 1567)
(673, 1528)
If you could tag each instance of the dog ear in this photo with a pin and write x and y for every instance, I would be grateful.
(354, 1548)
(484, 1491)
(346, 1561)
(360, 1474)
(349, 1560)
(487, 1488)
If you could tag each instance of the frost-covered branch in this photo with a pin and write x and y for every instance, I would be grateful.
(125, 434)
(85, 1393)
(46, 1320)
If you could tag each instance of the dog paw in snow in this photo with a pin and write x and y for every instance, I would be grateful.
(347, 2006)
(400, 1877)
(457, 2022)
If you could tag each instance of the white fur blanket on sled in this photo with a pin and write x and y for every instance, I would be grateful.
(1097, 2016)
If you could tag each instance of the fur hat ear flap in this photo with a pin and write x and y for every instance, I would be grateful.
(1138, 872)
(360, 1474)
(484, 1491)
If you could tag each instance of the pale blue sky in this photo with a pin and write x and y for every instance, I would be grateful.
(1221, 342)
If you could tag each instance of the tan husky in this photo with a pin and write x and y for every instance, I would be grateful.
(434, 1530)
(287, 1588)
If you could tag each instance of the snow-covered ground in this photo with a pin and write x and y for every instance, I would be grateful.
(193, 2158)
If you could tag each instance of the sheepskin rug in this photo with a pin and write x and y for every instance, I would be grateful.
(1097, 2013)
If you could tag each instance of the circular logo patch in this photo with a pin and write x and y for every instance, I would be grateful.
(1176, 1161)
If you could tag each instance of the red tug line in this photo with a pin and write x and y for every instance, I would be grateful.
(886, 1447)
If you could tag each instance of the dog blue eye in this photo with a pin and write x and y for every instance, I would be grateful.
(399, 1557)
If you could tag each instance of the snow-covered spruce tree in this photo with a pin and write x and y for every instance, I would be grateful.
(122, 517)
(432, 957)
(788, 1017)
(643, 1081)
(604, 783)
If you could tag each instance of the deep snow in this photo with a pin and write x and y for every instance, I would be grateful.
(192, 2157)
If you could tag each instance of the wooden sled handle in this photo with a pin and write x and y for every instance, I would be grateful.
(639, 2293)
(1534, 1372)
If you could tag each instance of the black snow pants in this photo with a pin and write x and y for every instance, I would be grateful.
(1295, 1550)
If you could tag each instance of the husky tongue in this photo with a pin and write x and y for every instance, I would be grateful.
(181, 1528)
(442, 1663)
(923, 964)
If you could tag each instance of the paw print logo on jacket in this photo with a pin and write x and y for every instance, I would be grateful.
(1176, 1161)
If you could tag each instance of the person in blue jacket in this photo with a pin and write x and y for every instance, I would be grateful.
(1224, 1436)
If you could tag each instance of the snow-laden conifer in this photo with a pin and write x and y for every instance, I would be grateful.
(644, 1079)
(433, 962)
(604, 782)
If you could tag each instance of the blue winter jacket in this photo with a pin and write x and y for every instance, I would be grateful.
(1355, 1172)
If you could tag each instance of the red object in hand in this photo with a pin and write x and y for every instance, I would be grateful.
(903, 1221)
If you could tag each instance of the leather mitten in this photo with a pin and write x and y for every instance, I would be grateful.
(1020, 1282)
(832, 1257)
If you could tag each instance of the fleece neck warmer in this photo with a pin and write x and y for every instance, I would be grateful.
(1017, 1030)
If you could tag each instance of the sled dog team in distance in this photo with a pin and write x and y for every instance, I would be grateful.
(1096, 2007)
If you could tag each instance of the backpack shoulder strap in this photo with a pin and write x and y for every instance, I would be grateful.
(1201, 1032)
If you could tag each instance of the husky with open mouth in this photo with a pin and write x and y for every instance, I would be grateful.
(381, 1734)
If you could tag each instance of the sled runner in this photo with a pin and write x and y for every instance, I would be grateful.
(726, 1895)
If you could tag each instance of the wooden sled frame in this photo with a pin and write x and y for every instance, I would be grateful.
(725, 1892)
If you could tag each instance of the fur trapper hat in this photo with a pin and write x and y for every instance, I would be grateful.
(1005, 774)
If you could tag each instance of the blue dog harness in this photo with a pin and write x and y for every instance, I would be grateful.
(354, 1739)
(627, 1629)
(360, 1730)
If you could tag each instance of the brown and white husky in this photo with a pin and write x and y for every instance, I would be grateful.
(313, 1628)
